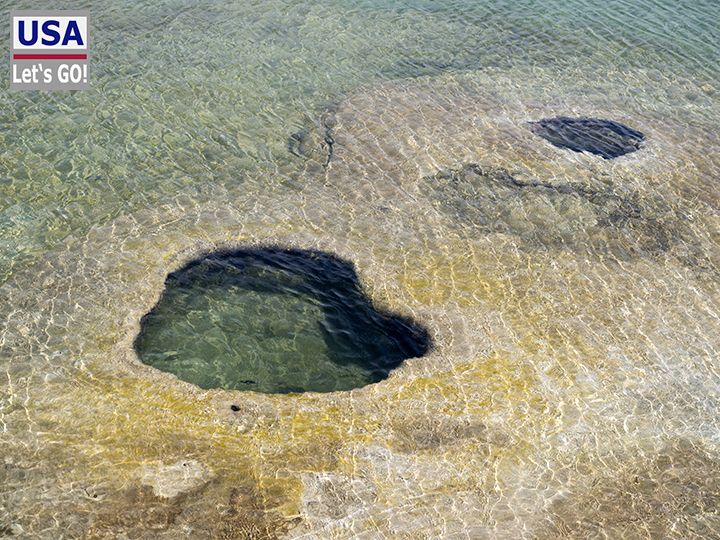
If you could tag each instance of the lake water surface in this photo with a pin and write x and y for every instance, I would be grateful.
(573, 385)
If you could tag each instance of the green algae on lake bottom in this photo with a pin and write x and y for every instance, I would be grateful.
(274, 320)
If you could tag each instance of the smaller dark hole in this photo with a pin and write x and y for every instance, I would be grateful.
(234, 408)
(605, 138)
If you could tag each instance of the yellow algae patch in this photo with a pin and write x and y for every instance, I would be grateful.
(476, 400)
(501, 381)
(118, 425)
(108, 339)
(310, 439)
(332, 422)
(516, 303)
(437, 389)
(125, 416)
(566, 350)
(458, 276)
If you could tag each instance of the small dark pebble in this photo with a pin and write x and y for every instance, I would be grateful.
(234, 408)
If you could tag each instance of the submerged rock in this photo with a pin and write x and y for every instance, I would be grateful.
(329, 497)
(172, 480)
(604, 138)
(575, 216)
(274, 320)
(314, 142)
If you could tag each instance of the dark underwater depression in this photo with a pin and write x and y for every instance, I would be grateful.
(274, 320)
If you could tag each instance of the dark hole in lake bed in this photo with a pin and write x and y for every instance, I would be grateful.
(605, 138)
(274, 320)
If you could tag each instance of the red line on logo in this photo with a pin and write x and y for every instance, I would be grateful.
(50, 56)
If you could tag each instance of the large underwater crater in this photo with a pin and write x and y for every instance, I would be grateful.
(274, 320)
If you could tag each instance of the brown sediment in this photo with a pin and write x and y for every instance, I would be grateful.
(671, 493)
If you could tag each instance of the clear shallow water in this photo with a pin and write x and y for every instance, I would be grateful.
(210, 92)
(574, 387)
